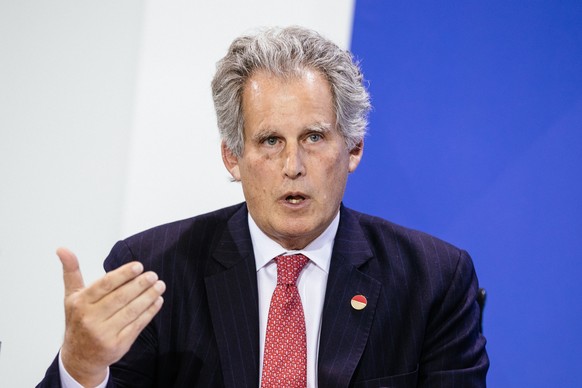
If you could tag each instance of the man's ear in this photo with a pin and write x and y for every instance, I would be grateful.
(230, 161)
(355, 156)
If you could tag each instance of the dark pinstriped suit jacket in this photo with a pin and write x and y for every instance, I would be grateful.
(420, 327)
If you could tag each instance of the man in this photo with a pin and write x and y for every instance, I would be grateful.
(374, 304)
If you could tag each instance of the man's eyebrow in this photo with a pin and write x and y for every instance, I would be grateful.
(263, 134)
(319, 127)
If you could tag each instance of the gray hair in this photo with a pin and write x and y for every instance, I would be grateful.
(285, 52)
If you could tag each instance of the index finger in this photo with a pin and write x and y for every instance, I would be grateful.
(113, 280)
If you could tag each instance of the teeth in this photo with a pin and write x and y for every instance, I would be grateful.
(294, 200)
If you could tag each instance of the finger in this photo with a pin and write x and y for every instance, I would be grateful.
(72, 276)
(112, 280)
(137, 307)
(125, 294)
(129, 333)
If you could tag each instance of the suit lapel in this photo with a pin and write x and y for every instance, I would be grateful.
(233, 300)
(345, 330)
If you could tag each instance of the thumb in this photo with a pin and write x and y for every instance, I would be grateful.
(72, 276)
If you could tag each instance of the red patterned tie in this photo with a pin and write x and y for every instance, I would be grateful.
(285, 357)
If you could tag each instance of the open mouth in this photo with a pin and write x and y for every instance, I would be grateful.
(294, 199)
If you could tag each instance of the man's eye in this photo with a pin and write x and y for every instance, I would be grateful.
(314, 137)
(270, 141)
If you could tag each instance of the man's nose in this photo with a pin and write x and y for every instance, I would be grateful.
(294, 166)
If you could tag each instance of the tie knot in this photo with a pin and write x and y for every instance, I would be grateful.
(289, 267)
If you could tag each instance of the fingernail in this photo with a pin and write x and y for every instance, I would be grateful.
(137, 268)
(160, 286)
(151, 277)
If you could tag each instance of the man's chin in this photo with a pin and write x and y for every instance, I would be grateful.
(298, 237)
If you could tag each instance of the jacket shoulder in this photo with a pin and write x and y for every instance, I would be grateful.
(381, 231)
(408, 253)
(194, 236)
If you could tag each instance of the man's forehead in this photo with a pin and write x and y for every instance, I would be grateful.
(257, 107)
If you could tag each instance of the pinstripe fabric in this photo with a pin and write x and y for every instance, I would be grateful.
(207, 331)
(419, 328)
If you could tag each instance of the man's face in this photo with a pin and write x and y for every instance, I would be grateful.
(295, 163)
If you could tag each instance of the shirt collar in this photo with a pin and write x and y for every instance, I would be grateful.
(318, 251)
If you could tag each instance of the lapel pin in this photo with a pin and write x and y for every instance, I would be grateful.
(359, 302)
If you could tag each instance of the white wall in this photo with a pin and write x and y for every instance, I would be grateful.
(106, 128)
(67, 87)
(174, 154)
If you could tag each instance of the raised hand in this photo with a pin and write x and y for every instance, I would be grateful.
(104, 319)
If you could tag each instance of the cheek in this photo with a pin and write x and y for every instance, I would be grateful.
(332, 177)
(258, 176)
(336, 167)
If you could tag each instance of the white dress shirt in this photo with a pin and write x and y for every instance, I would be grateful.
(311, 285)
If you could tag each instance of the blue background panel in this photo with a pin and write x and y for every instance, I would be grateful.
(476, 137)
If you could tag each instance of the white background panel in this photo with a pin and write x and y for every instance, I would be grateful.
(107, 128)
